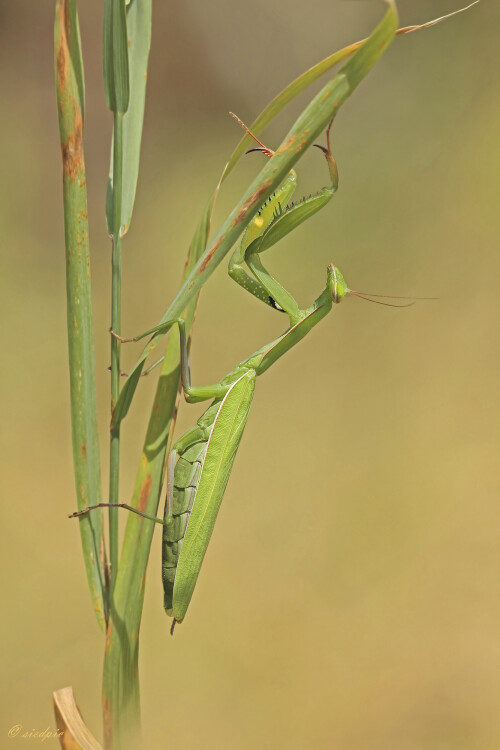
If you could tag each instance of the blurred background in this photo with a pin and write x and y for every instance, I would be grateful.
(350, 594)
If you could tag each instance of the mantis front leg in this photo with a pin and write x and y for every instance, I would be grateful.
(276, 219)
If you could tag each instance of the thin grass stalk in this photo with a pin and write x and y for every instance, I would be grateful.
(86, 460)
(127, 34)
(116, 287)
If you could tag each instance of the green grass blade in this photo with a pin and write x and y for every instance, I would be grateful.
(296, 87)
(115, 55)
(120, 685)
(313, 120)
(139, 41)
(287, 95)
(69, 84)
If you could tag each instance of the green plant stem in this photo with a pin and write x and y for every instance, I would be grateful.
(121, 705)
(86, 459)
(116, 285)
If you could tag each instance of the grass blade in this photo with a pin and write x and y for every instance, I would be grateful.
(139, 14)
(296, 87)
(69, 84)
(115, 56)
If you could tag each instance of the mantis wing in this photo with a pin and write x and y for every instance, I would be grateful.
(221, 451)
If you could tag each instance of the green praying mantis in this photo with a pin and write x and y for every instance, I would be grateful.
(200, 463)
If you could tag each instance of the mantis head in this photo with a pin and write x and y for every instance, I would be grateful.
(336, 284)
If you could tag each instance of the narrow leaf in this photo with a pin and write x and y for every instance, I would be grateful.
(139, 42)
(69, 85)
(296, 87)
(115, 55)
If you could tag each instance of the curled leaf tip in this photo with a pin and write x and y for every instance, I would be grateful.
(435, 21)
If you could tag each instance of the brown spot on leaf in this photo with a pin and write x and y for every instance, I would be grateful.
(62, 45)
(84, 450)
(109, 633)
(72, 150)
(102, 554)
(289, 143)
(107, 716)
(144, 494)
(61, 67)
(206, 261)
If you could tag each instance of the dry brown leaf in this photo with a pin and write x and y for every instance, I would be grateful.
(75, 735)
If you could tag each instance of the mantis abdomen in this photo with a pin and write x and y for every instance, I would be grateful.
(186, 478)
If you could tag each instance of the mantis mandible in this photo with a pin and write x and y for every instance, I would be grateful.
(200, 462)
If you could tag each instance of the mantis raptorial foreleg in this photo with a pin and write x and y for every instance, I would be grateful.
(275, 219)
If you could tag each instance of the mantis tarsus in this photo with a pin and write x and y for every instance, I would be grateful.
(201, 460)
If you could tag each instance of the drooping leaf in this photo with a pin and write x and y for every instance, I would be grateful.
(296, 87)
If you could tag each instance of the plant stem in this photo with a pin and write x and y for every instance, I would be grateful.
(116, 288)
(86, 458)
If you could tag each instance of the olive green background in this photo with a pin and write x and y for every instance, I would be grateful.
(350, 595)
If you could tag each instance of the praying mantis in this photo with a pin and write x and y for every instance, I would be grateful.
(200, 463)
